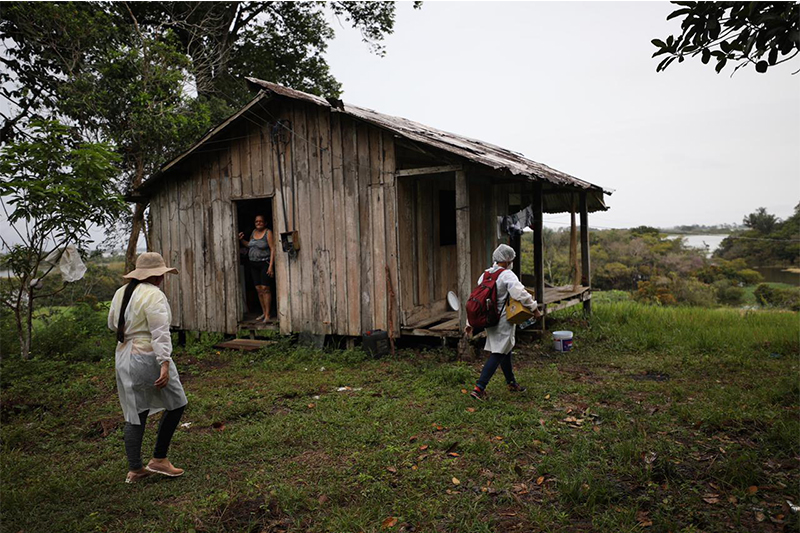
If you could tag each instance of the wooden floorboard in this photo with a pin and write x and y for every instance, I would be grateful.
(557, 294)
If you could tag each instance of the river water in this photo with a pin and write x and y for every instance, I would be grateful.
(709, 242)
(712, 242)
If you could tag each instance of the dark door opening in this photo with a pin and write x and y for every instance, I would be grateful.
(246, 213)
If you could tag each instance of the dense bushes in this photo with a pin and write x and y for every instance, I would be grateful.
(674, 290)
(653, 267)
(728, 293)
(788, 298)
(78, 333)
(735, 270)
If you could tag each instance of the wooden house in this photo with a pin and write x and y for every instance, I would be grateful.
(376, 218)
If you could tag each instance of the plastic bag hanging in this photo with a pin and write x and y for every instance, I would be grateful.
(69, 263)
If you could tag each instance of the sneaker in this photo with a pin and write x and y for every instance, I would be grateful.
(516, 387)
(134, 476)
(163, 467)
(478, 394)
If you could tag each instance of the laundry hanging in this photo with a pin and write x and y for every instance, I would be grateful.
(515, 224)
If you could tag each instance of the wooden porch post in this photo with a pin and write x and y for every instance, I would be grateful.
(538, 244)
(586, 280)
(463, 253)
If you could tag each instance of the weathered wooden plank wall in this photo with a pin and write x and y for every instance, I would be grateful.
(338, 193)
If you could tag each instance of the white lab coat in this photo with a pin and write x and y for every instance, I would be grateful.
(500, 338)
(147, 345)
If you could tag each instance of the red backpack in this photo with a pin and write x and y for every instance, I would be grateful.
(482, 304)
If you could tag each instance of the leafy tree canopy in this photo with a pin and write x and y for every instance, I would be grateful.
(51, 45)
(150, 77)
(761, 221)
(767, 241)
(54, 184)
(763, 34)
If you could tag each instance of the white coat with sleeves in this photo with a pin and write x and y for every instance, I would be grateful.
(147, 345)
(500, 338)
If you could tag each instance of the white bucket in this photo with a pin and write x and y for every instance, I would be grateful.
(562, 341)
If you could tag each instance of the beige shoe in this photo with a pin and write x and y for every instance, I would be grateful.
(134, 476)
(163, 466)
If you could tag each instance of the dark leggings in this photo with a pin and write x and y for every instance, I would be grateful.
(504, 361)
(134, 435)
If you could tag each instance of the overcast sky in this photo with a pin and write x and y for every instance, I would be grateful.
(572, 85)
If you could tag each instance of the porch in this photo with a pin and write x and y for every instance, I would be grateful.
(446, 323)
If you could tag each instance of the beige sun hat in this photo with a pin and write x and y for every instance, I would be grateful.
(149, 264)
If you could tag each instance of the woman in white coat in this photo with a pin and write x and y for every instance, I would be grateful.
(147, 380)
(500, 338)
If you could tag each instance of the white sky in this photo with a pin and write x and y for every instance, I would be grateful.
(572, 85)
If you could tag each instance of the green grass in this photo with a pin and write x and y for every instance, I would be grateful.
(678, 407)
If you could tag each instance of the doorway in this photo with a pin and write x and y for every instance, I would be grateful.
(246, 213)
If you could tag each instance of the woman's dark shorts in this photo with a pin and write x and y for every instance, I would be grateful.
(258, 270)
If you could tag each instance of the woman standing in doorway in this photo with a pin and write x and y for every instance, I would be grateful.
(147, 380)
(261, 254)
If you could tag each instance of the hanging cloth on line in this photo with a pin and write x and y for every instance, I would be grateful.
(515, 224)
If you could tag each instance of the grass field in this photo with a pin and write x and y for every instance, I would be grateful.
(660, 419)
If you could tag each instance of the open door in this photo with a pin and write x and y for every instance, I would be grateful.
(250, 275)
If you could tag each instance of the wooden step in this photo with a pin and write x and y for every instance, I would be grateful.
(244, 345)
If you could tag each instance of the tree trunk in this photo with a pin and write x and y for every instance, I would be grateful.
(22, 316)
(24, 344)
(138, 217)
(136, 227)
(28, 324)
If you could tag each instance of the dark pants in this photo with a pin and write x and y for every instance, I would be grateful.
(134, 435)
(504, 361)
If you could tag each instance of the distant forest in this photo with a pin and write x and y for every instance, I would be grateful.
(699, 229)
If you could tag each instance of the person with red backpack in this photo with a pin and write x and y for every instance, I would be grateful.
(486, 308)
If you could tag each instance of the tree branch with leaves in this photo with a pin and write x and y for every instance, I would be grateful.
(762, 34)
(53, 186)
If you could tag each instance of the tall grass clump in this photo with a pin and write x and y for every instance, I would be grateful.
(738, 335)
